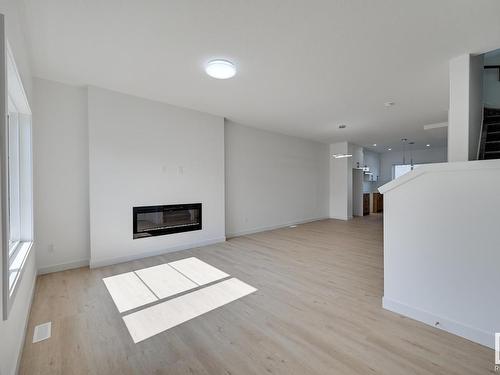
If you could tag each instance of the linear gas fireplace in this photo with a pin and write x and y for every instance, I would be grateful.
(159, 220)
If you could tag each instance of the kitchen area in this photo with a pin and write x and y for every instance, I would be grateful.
(366, 198)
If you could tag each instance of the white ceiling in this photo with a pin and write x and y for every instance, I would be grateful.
(304, 66)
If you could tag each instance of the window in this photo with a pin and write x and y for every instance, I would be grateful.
(400, 170)
(17, 197)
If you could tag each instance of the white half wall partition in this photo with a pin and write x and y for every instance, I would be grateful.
(441, 252)
(146, 153)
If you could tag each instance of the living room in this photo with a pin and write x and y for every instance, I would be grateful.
(249, 187)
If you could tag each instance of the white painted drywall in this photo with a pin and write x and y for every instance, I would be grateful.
(143, 153)
(465, 110)
(491, 83)
(458, 114)
(357, 192)
(272, 180)
(13, 329)
(475, 104)
(391, 158)
(372, 161)
(60, 146)
(354, 197)
(441, 256)
(339, 185)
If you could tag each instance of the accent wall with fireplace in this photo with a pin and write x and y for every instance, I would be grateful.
(153, 169)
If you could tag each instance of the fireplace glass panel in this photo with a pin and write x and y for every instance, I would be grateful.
(159, 220)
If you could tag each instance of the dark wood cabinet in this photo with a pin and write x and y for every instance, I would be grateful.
(378, 202)
(366, 204)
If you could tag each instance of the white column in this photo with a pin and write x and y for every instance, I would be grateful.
(465, 112)
(338, 182)
(341, 186)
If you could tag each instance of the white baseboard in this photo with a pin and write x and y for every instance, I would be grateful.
(94, 263)
(271, 227)
(63, 266)
(344, 218)
(470, 333)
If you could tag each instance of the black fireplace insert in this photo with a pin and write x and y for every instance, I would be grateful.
(159, 220)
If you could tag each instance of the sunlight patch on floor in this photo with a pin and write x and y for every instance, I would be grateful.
(152, 285)
(165, 281)
(148, 322)
(128, 291)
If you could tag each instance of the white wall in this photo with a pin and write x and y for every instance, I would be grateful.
(491, 83)
(357, 192)
(147, 153)
(371, 160)
(60, 145)
(354, 193)
(391, 158)
(341, 180)
(458, 113)
(465, 110)
(339, 185)
(441, 261)
(272, 180)
(475, 104)
(12, 330)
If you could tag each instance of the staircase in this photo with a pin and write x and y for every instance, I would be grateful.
(490, 137)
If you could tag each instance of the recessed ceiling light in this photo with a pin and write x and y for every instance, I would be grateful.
(220, 69)
(389, 104)
(428, 145)
(342, 126)
(374, 145)
(389, 149)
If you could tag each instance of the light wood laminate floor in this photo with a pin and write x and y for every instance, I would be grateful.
(317, 311)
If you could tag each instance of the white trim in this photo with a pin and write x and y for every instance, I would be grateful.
(94, 263)
(23, 251)
(15, 84)
(497, 348)
(470, 333)
(343, 218)
(26, 323)
(272, 227)
(440, 167)
(63, 266)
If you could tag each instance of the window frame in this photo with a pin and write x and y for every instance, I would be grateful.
(13, 102)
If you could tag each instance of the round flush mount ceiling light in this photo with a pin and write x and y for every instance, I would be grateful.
(220, 69)
(389, 104)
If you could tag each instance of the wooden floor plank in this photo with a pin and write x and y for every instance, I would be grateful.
(317, 311)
